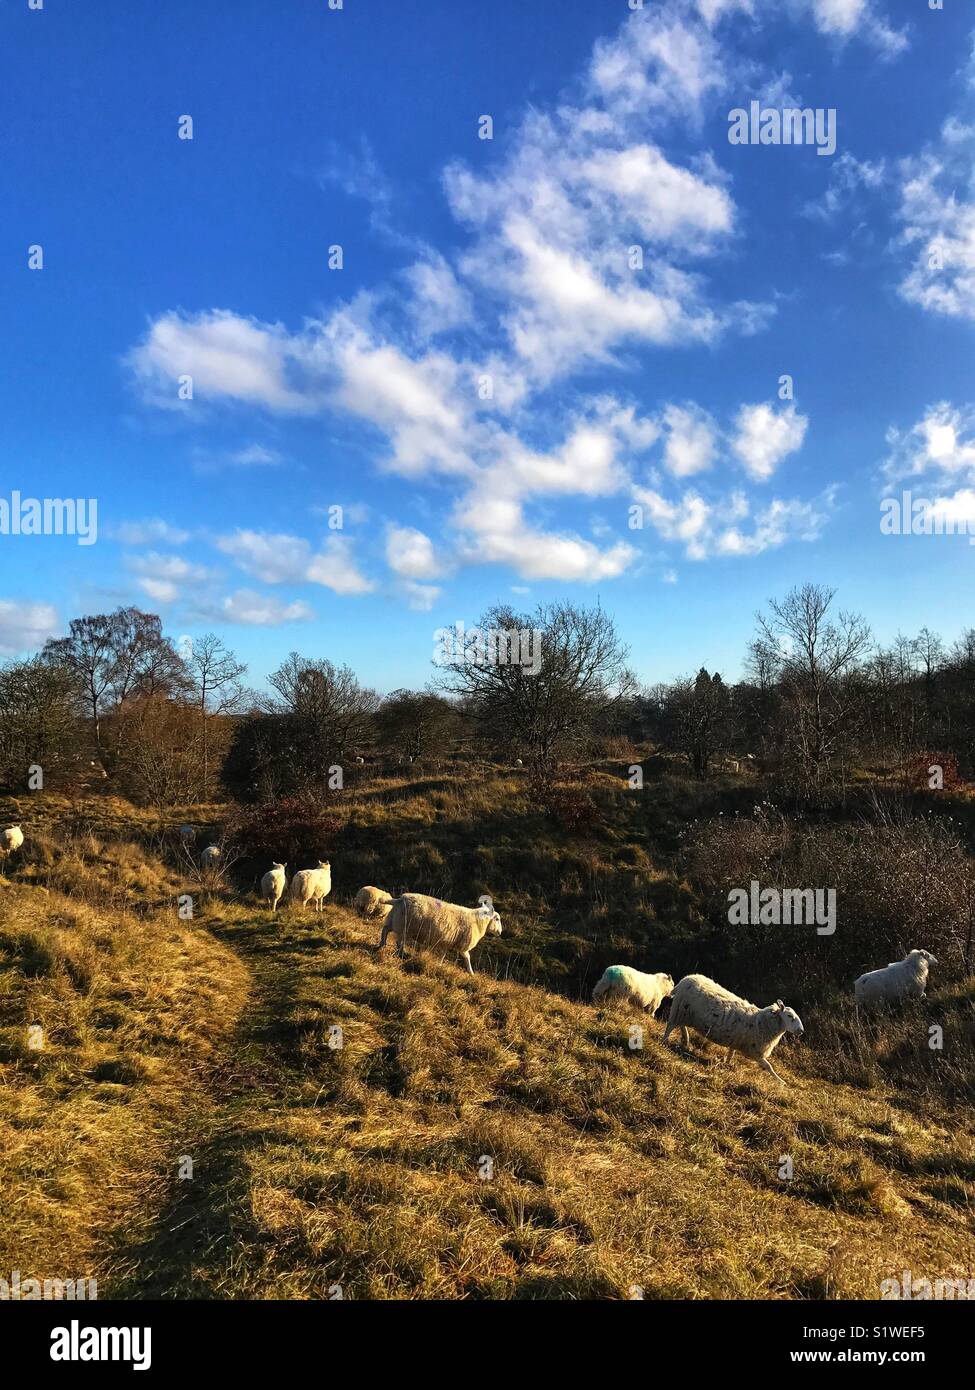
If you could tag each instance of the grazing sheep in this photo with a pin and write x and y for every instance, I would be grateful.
(273, 885)
(430, 922)
(12, 838)
(519, 763)
(716, 1013)
(623, 982)
(210, 856)
(312, 885)
(372, 902)
(187, 833)
(902, 979)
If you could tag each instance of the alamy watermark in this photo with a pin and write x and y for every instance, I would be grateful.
(907, 1286)
(476, 646)
(50, 516)
(791, 125)
(16, 1289)
(908, 515)
(783, 907)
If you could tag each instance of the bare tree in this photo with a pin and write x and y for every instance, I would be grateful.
(817, 659)
(214, 674)
(564, 694)
(88, 654)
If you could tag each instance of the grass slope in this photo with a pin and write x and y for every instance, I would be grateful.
(471, 1137)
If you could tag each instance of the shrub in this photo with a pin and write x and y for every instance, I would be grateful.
(920, 769)
(291, 829)
(571, 807)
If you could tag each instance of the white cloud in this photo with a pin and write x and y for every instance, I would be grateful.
(847, 176)
(765, 437)
(224, 354)
(659, 199)
(691, 440)
(282, 559)
(940, 446)
(276, 559)
(420, 597)
(410, 553)
(164, 577)
(938, 215)
(25, 625)
(248, 608)
(440, 302)
(151, 532)
(706, 528)
(658, 61)
(334, 567)
(250, 456)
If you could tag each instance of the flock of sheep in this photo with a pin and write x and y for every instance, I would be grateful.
(722, 1017)
(696, 1002)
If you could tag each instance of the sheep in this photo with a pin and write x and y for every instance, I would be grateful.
(372, 902)
(187, 833)
(273, 885)
(519, 763)
(312, 885)
(12, 838)
(430, 922)
(210, 856)
(902, 979)
(716, 1013)
(634, 986)
(360, 761)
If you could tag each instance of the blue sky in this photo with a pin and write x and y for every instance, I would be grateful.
(487, 385)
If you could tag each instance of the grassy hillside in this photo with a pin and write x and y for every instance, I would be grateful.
(364, 1165)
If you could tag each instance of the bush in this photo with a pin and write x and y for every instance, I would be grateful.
(920, 769)
(571, 807)
(900, 882)
(292, 830)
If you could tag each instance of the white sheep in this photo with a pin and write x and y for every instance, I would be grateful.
(187, 833)
(12, 838)
(210, 856)
(273, 885)
(634, 987)
(721, 1016)
(360, 761)
(902, 979)
(372, 902)
(425, 921)
(312, 885)
(519, 763)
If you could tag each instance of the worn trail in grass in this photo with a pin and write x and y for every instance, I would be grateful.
(477, 1138)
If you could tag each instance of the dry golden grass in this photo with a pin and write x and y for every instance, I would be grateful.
(470, 1138)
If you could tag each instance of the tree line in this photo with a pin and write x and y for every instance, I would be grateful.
(116, 698)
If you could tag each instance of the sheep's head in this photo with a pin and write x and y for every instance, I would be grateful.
(790, 1020)
(666, 982)
(279, 866)
(926, 956)
(326, 864)
(494, 926)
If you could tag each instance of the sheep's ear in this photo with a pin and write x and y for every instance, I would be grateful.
(778, 1004)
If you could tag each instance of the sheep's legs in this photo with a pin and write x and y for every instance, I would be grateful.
(466, 958)
(766, 1065)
